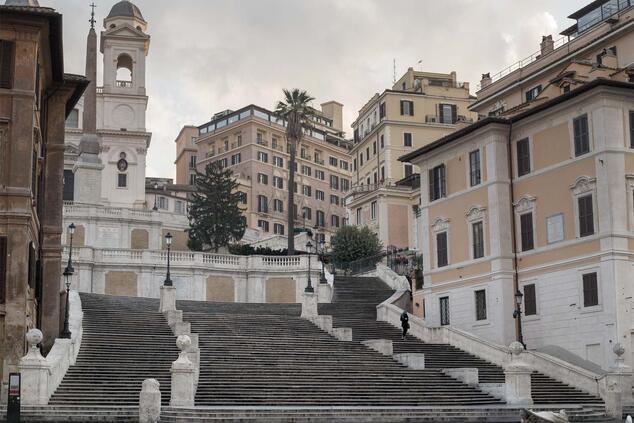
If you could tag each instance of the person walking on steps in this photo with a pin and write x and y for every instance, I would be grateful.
(404, 323)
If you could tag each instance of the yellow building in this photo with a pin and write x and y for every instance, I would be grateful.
(420, 107)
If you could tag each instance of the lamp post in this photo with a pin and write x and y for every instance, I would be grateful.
(333, 243)
(322, 277)
(155, 208)
(168, 242)
(517, 314)
(309, 286)
(68, 272)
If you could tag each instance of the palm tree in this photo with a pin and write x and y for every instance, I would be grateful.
(296, 110)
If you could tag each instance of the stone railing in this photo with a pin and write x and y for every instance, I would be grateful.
(565, 372)
(42, 375)
(72, 209)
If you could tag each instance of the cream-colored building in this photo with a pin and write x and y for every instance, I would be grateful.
(420, 107)
(251, 142)
(186, 155)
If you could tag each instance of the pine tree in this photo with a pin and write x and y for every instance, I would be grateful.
(215, 218)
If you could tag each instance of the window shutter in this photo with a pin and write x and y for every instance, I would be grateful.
(530, 304)
(402, 111)
(443, 181)
(431, 185)
(441, 114)
(454, 113)
(411, 108)
(3, 268)
(6, 64)
(631, 129)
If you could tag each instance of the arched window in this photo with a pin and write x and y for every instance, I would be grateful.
(124, 71)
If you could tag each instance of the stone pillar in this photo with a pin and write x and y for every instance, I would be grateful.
(168, 299)
(183, 375)
(618, 385)
(35, 372)
(150, 402)
(517, 376)
(309, 305)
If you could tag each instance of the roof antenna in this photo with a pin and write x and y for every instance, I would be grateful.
(92, 15)
(420, 62)
(394, 75)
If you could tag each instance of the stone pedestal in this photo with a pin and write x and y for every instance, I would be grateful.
(517, 376)
(150, 402)
(35, 372)
(309, 305)
(168, 299)
(173, 316)
(342, 334)
(618, 385)
(183, 375)
(384, 346)
(415, 361)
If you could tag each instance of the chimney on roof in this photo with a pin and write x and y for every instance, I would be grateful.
(486, 80)
(547, 45)
(333, 110)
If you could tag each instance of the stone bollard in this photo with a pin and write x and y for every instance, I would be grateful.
(309, 305)
(168, 299)
(618, 384)
(415, 361)
(384, 346)
(342, 334)
(35, 372)
(517, 376)
(150, 402)
(183, 374)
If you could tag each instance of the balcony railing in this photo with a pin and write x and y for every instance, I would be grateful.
(123, 84)
(319, 161)
(389, 183)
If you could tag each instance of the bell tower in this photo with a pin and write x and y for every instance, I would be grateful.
(122, 104)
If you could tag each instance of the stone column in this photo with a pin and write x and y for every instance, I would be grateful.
(34, 370)
(309, 305)
(168, 299)
(518, 378)
(150, 402)
(183, 375)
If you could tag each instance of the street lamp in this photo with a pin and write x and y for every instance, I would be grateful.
(517, 314)
(333, 243)
(168, 242)
(309, 286)
(68, 272)
(322, 277)
(155, 208)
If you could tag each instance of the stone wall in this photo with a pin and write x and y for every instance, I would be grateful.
(220, 288)
(121, 283)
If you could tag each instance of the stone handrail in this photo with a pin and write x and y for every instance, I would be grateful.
(89, 210)
(565, 372)
(390, 277)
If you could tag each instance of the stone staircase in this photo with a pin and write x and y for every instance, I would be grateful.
(354, 305)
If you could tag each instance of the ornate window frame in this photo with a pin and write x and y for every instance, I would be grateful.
(525, 204)
(582, 186)
(629, 183)
(440, 225)
(477, 214)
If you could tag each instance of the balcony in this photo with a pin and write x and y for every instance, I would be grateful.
(123, 84)
(387, 184)
(319, 161)
(262, 142)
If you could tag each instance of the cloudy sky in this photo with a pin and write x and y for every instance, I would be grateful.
(211, 55)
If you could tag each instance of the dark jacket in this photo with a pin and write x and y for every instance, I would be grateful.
(404, 320)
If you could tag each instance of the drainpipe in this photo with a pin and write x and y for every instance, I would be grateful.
(513, 227)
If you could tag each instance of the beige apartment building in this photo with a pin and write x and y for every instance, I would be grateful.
(539, 198)
(186, 155)
(420, 107)
(251, 142)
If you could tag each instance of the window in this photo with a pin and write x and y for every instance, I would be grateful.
(477, 233)
(333, 161)
(374, 148)
(345, 184)
(590, 290)
(354, 164)
(533, 92)
(632, 129)
(437, 183)
(361, 159)
(192, 179)
(408, 169)
(278, 161)
(447, 113)
(334, 182)
(334, 221)
(334, 200)
(178, 207)
(264, 225)
(359, 216)
(306, 170)
(7, 50)
(481, 304)
(382, 110)
(263, 157)
(263, 204)
(407, 108)
(278, 182)
(3, 268)
(319, 174)
(320, 217)
(72, 121)
(373, 210)
(222, 162)
(444, 311)
(523, 157)
(278, 229)
(307, 213)
(407, 139)
(474, 168)
(441, 249)
(235, 159)
(162, 203)
(343, 164)
(367, 154)
(122, 180)
(530, 301)
(320, 195)
(192, 162)
(586, 215)
(382, 173)
(307, 190)
(278, 205)
(582, 139)
(526, 229)
(263, 179)
(242, 197)
(382, 141)
(69, 185)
